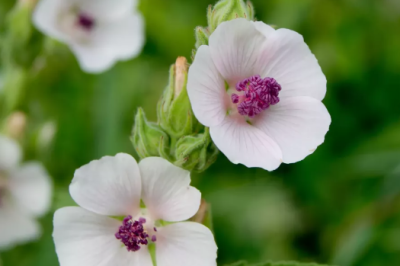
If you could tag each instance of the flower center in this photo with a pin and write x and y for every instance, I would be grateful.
(133, 234)
(85, 21)
(256, 95)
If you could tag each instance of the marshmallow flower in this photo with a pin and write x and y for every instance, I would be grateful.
(112, 227)
(25, 195)
(99, 32)
(259, 90)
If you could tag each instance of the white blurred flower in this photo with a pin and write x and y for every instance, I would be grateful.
(259, 90)
(114, 187)
(25, 195)
(99, 32)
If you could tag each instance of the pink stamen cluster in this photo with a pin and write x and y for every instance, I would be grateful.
(85, 21)
(132, 233)
(258, 95)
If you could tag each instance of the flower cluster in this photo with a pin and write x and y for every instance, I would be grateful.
(253, 92)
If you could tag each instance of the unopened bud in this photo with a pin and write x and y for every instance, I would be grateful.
(148, 138)
(196, 153)
(181, 71)
(28, 3)
(226, 10)
(16, 124)
(175, 115)
(203, 215)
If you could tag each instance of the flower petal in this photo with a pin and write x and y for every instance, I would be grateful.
(32, 188)
(235, 47)
(10, 154)
(123, 37)
(245, 144)
(46, 17)
(109, 186)
(93, 59)
(297, 124)
(16, 227)
(84, 238)
(185, 243)
(206, 89)
(107, 9)
(265, 29)
(115, 40)
(167, 192)
(287, 58)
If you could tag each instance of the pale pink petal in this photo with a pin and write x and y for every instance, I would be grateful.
(287, 58)
(186, 243)
(93, 59)
(265, 29)
(245, 144)
(107, 9)
(206, 89)
(167, 193)
(46, 17)
(31, 188)
(16, 226)
(141, 257)
(123, 37)
(84, 238)
(109, 186)
(10, 154)
(235, 47)
(298, 125)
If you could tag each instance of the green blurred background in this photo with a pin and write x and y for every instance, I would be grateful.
(340, 205)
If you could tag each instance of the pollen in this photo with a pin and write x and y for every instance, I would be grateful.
(256, 95)
(133, 234)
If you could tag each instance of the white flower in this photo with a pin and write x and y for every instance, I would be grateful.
(259, 90)
(114, 187)
(25, 194)
(99, 32)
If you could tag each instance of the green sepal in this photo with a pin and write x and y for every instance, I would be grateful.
(15, 79)
(152, 250)
(148, 138)
(19, 32)
(196, 152)
(226, 10)
(250, 10)
(202, 36)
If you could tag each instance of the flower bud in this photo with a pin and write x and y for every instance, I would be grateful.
(203, 215)
(175, 114)
(148, 138)
(226, 10)
(202, 36)
(19, 25)
(16, 124)
(15, 78)
(195, 153)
